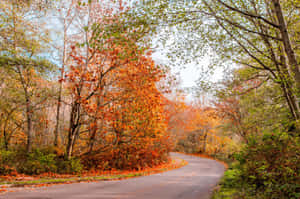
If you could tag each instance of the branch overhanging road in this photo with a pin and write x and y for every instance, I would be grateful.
(193, 181)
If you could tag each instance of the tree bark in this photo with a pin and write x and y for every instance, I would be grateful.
(57, 116)
(293, 64)
(59, 100)
(5, 140)
(289, 93)
(29, 124)
(204, 142)
(73, 129)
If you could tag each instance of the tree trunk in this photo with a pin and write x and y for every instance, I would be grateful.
(29, 124)
(92, 140)
(5, 140)
(73, 129)
(95, 129)
(59, 100)
(204, 142)
(57, 116)
(5, 136)
(293, 64)
(288, 99)
(285, 83)
(71, 137)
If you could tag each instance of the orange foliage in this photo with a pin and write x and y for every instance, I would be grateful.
(134, 133)
(117, 113)
(195, 128)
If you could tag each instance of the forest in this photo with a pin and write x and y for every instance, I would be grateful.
(81, 91)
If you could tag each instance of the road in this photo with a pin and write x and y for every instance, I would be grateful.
(193, 181)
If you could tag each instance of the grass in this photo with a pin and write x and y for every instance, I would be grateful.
(226, 188)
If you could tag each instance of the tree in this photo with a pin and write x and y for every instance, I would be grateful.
(67, 13)
(108, 48)
(19, 54)
(248, 106)
(257, 34)
(108, 85)
(10, 109)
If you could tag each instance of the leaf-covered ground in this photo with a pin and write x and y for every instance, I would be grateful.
(10, 182)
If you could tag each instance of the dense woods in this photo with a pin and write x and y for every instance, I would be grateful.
(80, 89)
(83, 94)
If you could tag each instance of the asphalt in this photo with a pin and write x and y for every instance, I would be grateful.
(193, 181)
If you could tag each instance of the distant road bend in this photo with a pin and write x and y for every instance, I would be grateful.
(194, 181)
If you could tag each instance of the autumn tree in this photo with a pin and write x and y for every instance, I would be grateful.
(108, 90)
(137, 121)
(109, 50)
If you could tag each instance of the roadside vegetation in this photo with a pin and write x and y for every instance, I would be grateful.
(15, 180)
(81, 92)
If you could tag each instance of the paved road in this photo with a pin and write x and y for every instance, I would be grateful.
(193, 181)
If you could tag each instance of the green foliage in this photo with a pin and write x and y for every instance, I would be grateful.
(229, 185)
(231, 178)
(37, 162)
(41, 65)
(271, 165)
(6, 160)
(268, 167)
(71, 166)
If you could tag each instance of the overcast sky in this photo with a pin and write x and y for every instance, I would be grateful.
(190, 73)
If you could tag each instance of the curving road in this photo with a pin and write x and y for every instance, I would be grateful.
(193, 181)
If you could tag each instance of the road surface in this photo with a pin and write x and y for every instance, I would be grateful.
(193, 181)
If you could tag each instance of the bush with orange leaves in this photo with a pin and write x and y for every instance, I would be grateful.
(134, 132)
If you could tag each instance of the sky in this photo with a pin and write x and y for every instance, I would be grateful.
(189, 74)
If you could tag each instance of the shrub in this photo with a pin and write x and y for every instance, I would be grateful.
(71, 166)
(230, 185)
(6, 162)
(271, 165)
(128, 157)
(231, 178)
(36, 162)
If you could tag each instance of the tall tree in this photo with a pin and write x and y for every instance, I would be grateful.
(106, 47)
(254, 33)
(22, 43)
(67, 13)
